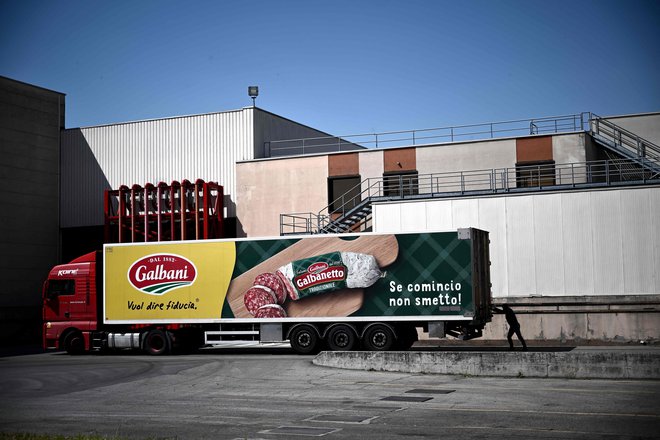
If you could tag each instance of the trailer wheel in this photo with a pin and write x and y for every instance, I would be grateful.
(305, 339)
(341, 338)
(74, 343)
(378, 337)
(156, 343)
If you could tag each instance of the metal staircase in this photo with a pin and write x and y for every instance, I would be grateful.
(350, 221)
(625, 144)
(631, 160)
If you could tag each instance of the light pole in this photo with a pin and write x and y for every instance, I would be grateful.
(253, 92)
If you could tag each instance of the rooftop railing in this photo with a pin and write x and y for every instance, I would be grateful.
(456, 133)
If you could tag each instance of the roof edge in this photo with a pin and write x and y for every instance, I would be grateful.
(631, 115)
(32, 85)
(167, 118)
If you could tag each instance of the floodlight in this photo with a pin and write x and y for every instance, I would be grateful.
(253, 92)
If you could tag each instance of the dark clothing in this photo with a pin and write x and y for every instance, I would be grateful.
(516, 330)
(510, 317)
(514, 326)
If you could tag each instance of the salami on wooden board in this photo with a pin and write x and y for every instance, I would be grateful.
(384, 248)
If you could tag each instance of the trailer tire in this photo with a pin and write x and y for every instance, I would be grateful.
(341, 337)
(74, 343)
(305, 339)
(378, 337)
(156, 343)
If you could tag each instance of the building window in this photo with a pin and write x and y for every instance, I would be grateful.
(535, 174)
(401, 183)
(344, 193)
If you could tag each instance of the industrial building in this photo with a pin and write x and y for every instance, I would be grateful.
(571, 204)
(31, 119)
(95, 159)
(571, 201)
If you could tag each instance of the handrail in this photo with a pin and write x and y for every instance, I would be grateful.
(474, 182)
(621, 137)
(387, 139)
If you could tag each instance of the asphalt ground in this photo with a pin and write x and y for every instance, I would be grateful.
(273, 394)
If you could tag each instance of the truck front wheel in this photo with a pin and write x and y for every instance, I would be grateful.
(156, 343)
(378, 337)
(74, 343)
(305, 339)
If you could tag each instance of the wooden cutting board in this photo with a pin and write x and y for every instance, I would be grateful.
(384, 248)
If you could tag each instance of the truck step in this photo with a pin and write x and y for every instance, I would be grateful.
(233, 332)
(220, 335)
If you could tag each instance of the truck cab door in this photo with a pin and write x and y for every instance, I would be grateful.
(81, 306)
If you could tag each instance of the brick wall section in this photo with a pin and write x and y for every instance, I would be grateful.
(534, 149)
(344, 164)
(400, 159)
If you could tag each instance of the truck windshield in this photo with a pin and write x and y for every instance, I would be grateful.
(60, 287)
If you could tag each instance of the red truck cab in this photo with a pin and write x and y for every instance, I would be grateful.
(70, 305)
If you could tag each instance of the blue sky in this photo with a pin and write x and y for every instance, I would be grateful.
(344, 67)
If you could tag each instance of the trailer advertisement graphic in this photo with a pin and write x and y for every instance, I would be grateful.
(166, 282)
(159, 273)
(369, 275)
(428, 274)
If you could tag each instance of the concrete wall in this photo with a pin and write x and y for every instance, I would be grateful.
(371, 166)
(272, 132)
(646, 125)
(629, 318)
(444, 161)
(629, 363)
(270, 187)
(569, 149)
(465, 157)
(30, 122)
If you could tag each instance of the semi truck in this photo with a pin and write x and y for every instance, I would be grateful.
(336, 292)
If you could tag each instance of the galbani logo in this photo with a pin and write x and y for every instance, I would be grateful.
(317, 267)
(160, 273)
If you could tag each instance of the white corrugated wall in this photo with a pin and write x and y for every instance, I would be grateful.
(564, 244)
(192, 147)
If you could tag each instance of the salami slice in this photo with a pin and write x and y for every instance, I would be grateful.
(258, 296)
(271, 281)
(270, 311)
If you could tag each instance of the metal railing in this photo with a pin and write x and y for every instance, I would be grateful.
(534, 178)
(457, 133)
(625, 141)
